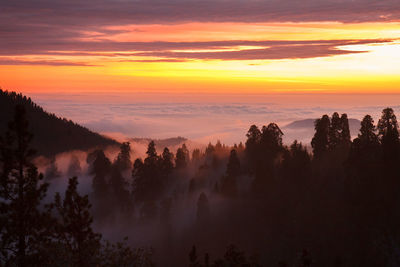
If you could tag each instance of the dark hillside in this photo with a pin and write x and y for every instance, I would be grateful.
(51, 134)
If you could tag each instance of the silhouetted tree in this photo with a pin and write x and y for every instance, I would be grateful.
(334, 133)
(100, 168)
(389, 135)
(167, 164)
(123, 161)
(74, 229)
(22, 222)
(196, 155)
(148, 183)
(253, 140)
(118, 184)
(320, 141)
(296, 165)
(182, 157)
(367, 133)
(264, 149)
(345, 136)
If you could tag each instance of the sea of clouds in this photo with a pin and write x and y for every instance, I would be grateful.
(206, 121)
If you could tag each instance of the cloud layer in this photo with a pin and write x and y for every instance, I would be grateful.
(204, 122)
(106, 12)
(83, 28)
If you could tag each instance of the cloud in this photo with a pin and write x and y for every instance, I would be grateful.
(278, 52)
(107, 12)
(183, 51)
(60, 26)
(204, 121)
(42, 62)
(155, 60)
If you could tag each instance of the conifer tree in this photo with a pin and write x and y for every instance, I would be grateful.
(182, 157)
(367, 133)
(345, 136)
(123, 160)
(167, 164)
(335, 129)
(74, 229)
(22, 222)
(101, 168)
(320, 141)
(389, 135)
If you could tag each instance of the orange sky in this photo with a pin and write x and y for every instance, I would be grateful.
(211, 57)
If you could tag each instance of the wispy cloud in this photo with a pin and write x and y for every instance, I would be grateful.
(42, 62)
(151, 52)
(83, 28)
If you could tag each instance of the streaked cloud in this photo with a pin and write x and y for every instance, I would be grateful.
(7, 61)
(154, 52)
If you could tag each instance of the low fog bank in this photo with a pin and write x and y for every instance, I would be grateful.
(122, 117)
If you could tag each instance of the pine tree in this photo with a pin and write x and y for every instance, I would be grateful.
(182, 157)
(367, 133)
(389, 135)
(345, 136)
(167, 164)
(148, 183)
(196, 155)
(101, 168)
(320, 141)
(74, 229)
(335, 129)
(123, 160)
(22, 222)
(151, 152)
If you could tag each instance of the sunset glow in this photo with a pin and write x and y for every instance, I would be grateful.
(200, 56)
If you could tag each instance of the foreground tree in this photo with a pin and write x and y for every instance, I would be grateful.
(22, 222)
(74, 230)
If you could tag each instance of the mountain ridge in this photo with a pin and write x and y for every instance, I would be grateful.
(51, 134)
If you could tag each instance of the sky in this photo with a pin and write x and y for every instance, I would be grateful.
(308, 54)
(200, 47)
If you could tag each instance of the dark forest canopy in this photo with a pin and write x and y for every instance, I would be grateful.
(262, 203)
(52, 134)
